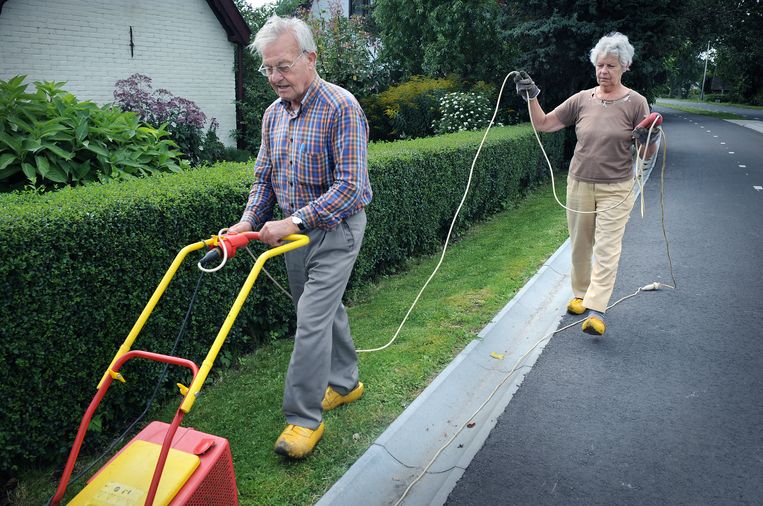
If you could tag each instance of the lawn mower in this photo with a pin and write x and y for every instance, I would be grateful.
(166, 464)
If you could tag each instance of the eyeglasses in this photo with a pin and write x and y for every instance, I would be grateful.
(282, 69)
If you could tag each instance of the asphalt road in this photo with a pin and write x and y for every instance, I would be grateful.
(667, 407)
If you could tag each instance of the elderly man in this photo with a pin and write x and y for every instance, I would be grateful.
(312, 161)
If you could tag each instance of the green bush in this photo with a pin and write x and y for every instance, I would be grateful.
(408, 110)
(80, 264)
(50, 139)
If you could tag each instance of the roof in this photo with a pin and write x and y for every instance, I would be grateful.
(228, 15)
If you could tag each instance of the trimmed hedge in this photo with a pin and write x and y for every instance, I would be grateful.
(80, 264)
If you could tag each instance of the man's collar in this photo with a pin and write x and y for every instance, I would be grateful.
(307, 98)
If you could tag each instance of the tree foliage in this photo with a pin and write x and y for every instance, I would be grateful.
(740, 53)
(555, 38)
(347, 52)
(436, 38)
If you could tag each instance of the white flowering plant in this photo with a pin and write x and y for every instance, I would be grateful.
(463, 111)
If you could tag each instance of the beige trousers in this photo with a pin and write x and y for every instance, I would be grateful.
(598, 235)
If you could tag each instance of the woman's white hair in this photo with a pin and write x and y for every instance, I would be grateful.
(277, 26)
(614, 43)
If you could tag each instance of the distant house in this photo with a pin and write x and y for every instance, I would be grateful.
(188, 47)
(321, 8)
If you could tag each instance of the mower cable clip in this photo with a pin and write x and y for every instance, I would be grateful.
(117, 376)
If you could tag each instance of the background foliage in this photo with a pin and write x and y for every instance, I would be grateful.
(407, 110)
(434, 38)
(463, 111)
(347, 52)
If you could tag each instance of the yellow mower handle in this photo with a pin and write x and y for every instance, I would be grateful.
(296, 241)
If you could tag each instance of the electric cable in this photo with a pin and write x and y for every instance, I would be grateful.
(650, 287)
(225, 255)
(466, 192)
(150, 401)
(271, 278)
(452, 223)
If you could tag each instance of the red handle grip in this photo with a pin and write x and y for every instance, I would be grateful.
(231, 242)
(654, 118)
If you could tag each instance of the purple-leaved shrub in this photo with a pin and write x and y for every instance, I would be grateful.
(184, 120)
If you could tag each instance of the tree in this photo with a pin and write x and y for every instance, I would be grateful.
(555, 38)
(347, 53)
(438, 38)
(731, 28)
(740, 55)
(682, 67)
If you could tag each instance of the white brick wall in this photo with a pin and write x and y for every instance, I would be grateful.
(179, 44)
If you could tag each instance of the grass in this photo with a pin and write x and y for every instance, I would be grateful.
(729, 104)
(480, 274)
(703, 112)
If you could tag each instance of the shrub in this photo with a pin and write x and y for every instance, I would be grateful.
(66, 314)
(463, 111)
(407, 110)
(50, 139)
(231, 154)
(183, 118)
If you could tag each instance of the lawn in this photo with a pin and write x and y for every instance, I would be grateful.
(704, 112)
(482, 271)
(729, 104)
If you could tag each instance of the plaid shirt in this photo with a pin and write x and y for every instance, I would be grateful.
(312, 161)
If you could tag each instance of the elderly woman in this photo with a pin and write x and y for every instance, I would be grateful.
(600, 183)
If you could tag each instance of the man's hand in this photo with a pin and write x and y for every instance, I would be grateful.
(273, 231)
(640, 134)
(243, 226)
(526, 86)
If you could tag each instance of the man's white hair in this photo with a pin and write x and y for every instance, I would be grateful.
(277, 26)
(614, 43)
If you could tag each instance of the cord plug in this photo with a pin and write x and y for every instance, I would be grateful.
(651, 286)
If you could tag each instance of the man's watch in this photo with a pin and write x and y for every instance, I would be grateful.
(298, 222)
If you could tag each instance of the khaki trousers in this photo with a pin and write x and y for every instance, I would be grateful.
(598, 235)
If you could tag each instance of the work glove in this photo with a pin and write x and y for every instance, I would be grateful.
(526, 86)
(640, 134)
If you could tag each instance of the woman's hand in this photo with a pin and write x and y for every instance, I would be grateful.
(526, 88)
(640, 134)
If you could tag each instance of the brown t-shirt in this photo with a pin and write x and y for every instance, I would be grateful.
(603, 152)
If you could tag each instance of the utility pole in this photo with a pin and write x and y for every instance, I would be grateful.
(704, 74)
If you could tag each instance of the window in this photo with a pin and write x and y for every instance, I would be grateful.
(360, 7)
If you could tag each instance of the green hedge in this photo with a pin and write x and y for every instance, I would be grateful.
(79, 265)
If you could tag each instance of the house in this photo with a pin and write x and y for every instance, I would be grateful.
(188, 47)
(322, 8)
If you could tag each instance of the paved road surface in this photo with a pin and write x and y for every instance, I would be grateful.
(667, 408)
